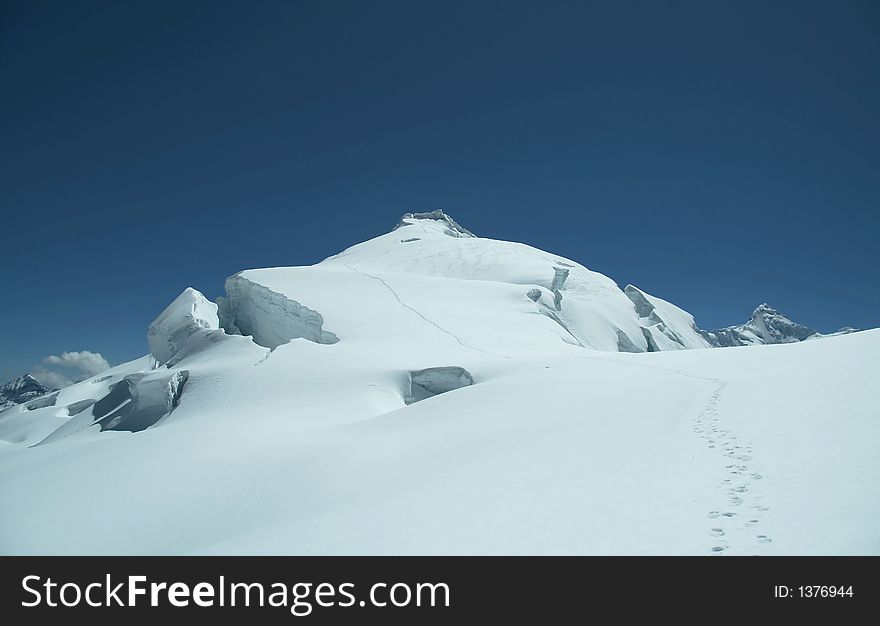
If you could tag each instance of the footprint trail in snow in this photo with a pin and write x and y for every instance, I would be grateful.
(731, 526)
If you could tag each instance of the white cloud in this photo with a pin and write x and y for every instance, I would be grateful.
(69, 368)
(89, 363)
(51, 379)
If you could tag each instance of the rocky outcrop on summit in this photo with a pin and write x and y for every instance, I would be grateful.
(453, 228)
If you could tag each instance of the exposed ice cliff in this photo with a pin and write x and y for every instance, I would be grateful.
(436, 380)
(559, 276)
(664, 325)
(135, 403)
(139, 400)
(270, 318)
(625, 344)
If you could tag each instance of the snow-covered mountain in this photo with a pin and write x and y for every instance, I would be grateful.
(766, 325)
(667, 327)
(20, 390)
(432, 392)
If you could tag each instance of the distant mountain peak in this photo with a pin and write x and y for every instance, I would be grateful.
(777, 328)
(666, 327)
(766, 325)
(20, 390)
(437, 216)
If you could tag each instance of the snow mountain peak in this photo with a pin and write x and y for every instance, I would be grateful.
(435, 218)
(775, 327)
(764, 309)
(766, 325)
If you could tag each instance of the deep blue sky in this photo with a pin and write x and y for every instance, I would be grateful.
(717, 154)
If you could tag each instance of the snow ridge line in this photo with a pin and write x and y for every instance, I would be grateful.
(419, 313)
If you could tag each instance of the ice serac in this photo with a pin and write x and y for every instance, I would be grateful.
(20, 390)
(433, 381)
(664, 325)
(138, 401)
(184, 327)
(268, 317)
(765, 326)
(133, 404)
(559, 276)
(42, 402)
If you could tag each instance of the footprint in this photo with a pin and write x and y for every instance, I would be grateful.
(718, 549)
(713, 514)
(734, 501)
(751, 523)
(764, 539)
(741, 489)
(729, 514)
(756, 476)
(716, 532)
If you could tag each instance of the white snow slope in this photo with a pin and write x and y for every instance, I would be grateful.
(347, 424)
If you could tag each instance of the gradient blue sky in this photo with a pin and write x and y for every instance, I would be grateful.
(717, 154)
